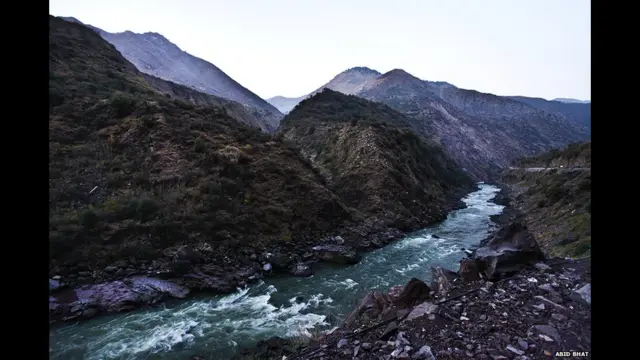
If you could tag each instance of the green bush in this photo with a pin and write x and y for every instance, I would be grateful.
(199, 145)
(123, 104)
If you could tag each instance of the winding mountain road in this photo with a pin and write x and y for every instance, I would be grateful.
(536, 169)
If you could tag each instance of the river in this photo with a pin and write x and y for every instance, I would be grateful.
(216, 326)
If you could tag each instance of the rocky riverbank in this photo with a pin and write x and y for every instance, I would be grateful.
(130, 284)
(507, 301)
(542, 310)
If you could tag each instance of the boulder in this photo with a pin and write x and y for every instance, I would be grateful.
(546, 330)
(414, 292)
(394, 292)
(281, 261)
(440, 280)
(54, 284)
(582, 295)
(509, 250)
(389, 331)
(424, 353)
(301, 269)
(337, 254)
(469, 270)
(372, 306)
(425, 308)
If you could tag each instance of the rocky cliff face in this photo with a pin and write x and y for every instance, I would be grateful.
(370, 156)
(482, 132)
(155, 55)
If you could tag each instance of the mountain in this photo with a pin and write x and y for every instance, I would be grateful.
(151, 182)
(285, 104)
(482, 132)
(347, 82)
(371, 158)
(566, 100)
(137, 175)
(351, 81)
(578, 113)
(155, 55)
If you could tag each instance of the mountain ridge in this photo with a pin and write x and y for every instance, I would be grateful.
(151, 182)
(153, 54)
(369, 155)
(483, 131)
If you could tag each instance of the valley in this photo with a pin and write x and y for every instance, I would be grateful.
(380, 216)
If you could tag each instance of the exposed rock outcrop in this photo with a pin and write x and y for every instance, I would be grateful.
(508, 251)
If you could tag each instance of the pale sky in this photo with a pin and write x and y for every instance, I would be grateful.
(537, 48)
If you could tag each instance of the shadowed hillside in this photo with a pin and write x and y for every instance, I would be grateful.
(371, 158)
(135, 174)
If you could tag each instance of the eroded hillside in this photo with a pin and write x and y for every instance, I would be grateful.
(370, 156)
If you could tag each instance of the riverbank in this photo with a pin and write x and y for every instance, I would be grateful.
(285, 306)
(507, 301)
(131, 284)
(543, 310)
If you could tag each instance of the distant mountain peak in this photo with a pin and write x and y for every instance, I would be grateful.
(361, 69)
(155, 35)
(397, 73)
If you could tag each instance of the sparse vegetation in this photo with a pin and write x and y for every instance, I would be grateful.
(371, 158)
(575, 154)
(558, 202)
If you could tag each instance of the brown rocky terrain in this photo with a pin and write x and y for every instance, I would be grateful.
(156, 191)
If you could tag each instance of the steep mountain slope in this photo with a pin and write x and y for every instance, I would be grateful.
(556, 201)
(371, 158)
(482, 132)
(577, 112)
(155, 55)
(136, 176)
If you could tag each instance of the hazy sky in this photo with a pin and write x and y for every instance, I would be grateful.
(539, 48)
